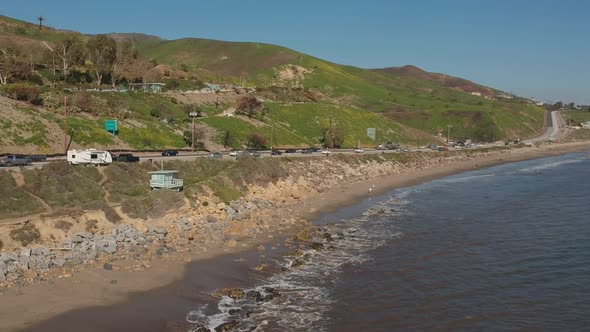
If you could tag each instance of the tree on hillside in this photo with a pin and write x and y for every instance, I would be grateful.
(256, 141)
(7, 61)
(102, 52)
(228, 139)
(249, 106)
(71, 52)
(126, 56)
(332, 135)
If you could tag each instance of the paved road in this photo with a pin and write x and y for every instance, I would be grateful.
(553, 129)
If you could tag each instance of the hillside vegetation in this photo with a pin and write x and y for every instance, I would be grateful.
(302, 95)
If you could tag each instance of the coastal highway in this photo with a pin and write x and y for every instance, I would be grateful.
(553, 128)
(147, 157)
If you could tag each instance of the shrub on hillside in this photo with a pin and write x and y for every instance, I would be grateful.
(51, 100)
(25, 234)
(63, 185)
(154, 205)
(24, 92)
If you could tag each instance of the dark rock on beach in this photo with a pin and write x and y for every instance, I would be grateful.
(226, 326)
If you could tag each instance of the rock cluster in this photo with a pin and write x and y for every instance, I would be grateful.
(82, 248)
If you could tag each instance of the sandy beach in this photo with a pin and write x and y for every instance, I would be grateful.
(23, 308)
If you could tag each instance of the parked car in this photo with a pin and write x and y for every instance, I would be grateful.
(255, 154)
(234, 153)
(442, 148)
(168, 153)
(359, 150)
(326, 152)
(215, 155)
(15, 160)
(275, 153)
(126, 158)
(314, 149)
(37, 157)
(306, 151)
(290, 151)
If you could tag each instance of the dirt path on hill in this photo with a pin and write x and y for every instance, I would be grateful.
(20, 182)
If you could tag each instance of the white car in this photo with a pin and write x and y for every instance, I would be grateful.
(234, 153)
(359, 150)
(326, 152)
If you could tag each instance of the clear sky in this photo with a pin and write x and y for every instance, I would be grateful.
(534, 48)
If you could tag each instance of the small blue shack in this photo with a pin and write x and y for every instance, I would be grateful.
(165, 180)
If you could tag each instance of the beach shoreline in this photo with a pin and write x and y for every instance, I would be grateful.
(24, 307)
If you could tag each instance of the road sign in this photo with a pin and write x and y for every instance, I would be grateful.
(111, 126)
(372, 133)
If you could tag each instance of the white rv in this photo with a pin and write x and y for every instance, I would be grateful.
(89, 157)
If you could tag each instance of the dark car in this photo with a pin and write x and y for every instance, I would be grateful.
(126, 158)
(168, 153)
(314, 149)
(37, 157)
(215, 155)
(275, 153)
(255, 154)
(290, 151)
(306, 151)
(15, 160)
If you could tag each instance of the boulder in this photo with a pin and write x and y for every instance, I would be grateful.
(23, 262)
(220, 206)
(184, 225)
(212, 219)
(228, 326)
(234, 293)
(107, 245)
(25, 252)
(77, 239)
(40, 251)
(317, 246)
(159, 232)
(3, 271)
(255, 296)
(8, 257)
(59, 261)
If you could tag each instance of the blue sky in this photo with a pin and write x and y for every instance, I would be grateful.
(535, 48)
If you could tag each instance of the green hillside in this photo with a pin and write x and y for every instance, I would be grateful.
(408, 95)
(301, 93)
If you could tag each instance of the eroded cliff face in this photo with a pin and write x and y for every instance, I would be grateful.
(61, 245)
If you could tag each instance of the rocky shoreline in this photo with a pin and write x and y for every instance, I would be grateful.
(138, 247)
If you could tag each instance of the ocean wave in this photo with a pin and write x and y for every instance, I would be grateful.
(553, 164)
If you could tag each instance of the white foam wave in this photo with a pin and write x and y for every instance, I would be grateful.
(553, 164)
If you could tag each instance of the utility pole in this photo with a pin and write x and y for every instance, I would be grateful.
(449, 133)
(65, 124)
(193, 115)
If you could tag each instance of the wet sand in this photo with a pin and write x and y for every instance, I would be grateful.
(158, 298)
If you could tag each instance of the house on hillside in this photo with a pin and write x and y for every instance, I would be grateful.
(147, 87)
(476, 94)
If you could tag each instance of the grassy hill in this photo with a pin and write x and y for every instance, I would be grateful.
(405, 104)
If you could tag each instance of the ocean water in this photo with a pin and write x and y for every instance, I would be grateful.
(503, 248)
